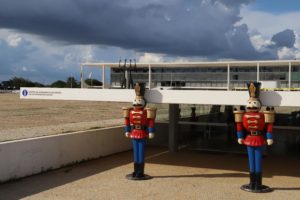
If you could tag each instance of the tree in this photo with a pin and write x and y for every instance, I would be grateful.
(72, 82)
(17, 82)
(93, 82)
(58, 84)
(37, 84)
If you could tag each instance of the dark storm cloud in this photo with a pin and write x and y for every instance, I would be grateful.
(177, 27)
(242, 48)
(284, 38)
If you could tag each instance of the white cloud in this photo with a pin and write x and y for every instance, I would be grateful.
(14, 40)
(151, 58)
(287, 53)
(259, 42)
(24, 69)
(88, 54)
(264, 25)
(267, 23)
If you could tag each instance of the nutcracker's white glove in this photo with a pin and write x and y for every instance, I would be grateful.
(127, 134)
(269, 141)
(240, 140)
(151, 135)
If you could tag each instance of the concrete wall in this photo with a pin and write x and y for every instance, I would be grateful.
(31, 156)
(26, 157)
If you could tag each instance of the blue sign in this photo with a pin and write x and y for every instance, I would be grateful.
(25, 93)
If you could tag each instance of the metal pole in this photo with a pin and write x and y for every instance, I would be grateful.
(103, 76)
(228, 76)
(257, 72)
(149, 80)
(290, 73)
(173, 127)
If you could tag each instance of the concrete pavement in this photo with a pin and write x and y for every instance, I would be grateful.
(182, 175)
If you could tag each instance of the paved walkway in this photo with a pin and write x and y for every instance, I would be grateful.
(182, 175)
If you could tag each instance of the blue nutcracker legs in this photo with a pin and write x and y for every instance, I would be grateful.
(255, 168)
(138, 158)
(138, 150)
(255, 156)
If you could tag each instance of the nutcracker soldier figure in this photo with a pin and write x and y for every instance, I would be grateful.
(251, 126)
(139, 125)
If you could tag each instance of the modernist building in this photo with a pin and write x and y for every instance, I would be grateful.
(284, 74)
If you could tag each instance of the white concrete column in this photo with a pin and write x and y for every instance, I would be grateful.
(290, 74)
(257, 72)
(103, 76)
(150, 78)
(82, 76)
(228, 76)
(127, 79)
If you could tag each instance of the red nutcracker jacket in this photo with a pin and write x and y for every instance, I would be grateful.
(254, 124)
(138, 124)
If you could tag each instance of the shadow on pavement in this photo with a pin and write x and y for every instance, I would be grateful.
(272, 165)
(221, 175)
(24, 187)
(295, 188)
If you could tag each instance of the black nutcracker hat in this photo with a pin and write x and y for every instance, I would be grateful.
(139, 90)
(254, 89)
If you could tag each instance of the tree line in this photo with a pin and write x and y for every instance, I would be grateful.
(16, 82)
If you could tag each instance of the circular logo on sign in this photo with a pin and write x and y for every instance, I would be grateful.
(25, 93)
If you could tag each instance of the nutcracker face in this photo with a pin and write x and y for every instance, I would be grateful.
(139, 102)
(253, 105)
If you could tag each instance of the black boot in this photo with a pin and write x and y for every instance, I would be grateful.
(134, 173)
(140, 170)
(251, 186)
(258, 181)
(252, 181)
(138, 173)
(256, 184)
(259, 187)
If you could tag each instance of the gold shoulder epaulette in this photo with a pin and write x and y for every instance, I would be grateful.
(269, 116)
(151, 112)
(238, 115)
(126, 111)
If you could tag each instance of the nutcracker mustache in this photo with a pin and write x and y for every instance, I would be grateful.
(252, 108)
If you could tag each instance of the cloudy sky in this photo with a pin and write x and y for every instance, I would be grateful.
(45, 40)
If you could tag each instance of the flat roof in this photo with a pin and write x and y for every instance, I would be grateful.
(261, 63)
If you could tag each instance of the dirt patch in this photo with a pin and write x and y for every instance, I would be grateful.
(31, 118)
